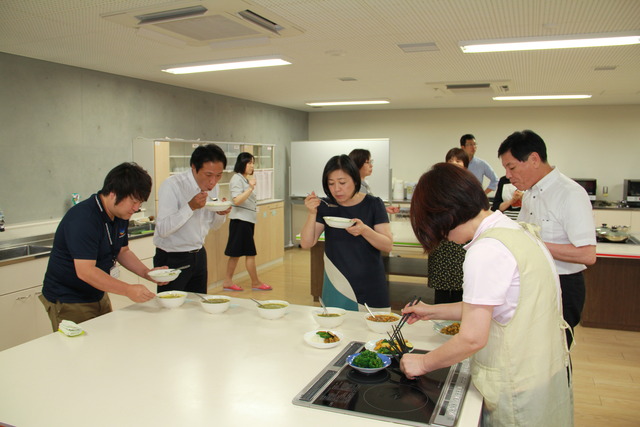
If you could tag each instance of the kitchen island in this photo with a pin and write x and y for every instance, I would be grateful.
(149, 366)
(613, 287)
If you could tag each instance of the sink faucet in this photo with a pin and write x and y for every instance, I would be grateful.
(1, 220)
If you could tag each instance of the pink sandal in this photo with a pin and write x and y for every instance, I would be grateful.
(263, 287)
(233, 287)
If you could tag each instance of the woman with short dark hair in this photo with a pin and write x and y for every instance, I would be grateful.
(510, 317)
(354, 272)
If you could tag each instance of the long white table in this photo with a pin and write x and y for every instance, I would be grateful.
(149, 366)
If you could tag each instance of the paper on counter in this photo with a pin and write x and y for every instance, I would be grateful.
(70, 329)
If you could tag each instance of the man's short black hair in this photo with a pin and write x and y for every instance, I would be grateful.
(127, 179)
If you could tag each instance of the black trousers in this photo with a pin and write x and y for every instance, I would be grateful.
(573, 296)
(192, 279)
(445, 297)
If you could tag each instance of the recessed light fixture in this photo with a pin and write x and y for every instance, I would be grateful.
(228, 64)
(328, 103)
(539, 97)
(552, 42)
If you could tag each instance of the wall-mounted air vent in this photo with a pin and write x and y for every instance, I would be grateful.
(207, 22)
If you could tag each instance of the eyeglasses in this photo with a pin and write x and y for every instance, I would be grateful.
(470, 144)
(370, 161)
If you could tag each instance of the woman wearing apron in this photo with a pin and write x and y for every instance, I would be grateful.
(511, 315)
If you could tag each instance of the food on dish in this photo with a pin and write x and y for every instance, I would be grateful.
(451, 329)
(327, 337)
(383, 318)
(272, 306)
(215, 300)
(168, 296)
(329, 315)
(384, 346)
(368, 359)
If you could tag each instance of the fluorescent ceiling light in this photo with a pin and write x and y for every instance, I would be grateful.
(539, 97)
(324, 104)
(554, 42)
(229, 64)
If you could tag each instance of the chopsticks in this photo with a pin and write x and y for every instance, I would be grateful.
(397, 343)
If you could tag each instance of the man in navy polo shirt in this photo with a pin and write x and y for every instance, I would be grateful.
(89, 240)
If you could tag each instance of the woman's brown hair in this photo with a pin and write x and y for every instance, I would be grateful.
(445, 197)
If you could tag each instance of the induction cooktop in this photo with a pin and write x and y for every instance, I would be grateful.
(434, 399)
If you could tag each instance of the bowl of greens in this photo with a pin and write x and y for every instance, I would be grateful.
(368, 362)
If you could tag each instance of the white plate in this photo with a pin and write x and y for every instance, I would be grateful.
(371, 345)
(165, 275)
(439, 324)
(338, 222)
(218, 206)
(386, 361)
(309, 339)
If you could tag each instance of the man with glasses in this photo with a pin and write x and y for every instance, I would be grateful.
(89, 240)
(478, 167)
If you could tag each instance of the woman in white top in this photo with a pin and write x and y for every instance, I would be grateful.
(510, 316)
(242, 224)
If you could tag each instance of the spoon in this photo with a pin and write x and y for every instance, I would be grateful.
(213, 199)
(256, 301)
(369, 310)
(202, 298)
(324, 307)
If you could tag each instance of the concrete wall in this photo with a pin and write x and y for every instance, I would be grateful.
(63, 128)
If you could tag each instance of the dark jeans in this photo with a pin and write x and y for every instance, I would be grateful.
(192, 279)
(445, 297)
(573, 296)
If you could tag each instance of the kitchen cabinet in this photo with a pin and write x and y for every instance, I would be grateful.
(268, 237)
(22, 315)
(164, 157)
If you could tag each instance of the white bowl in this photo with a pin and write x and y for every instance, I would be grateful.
(217, 206)
(172, 299)
(386, 361)
(216, 307)
(338, 222)
(382, 327)
(272, 313)
(329, 322)
(439, 324)
(314, 340)
(165, 274)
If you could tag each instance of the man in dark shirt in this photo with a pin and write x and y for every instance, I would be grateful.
(89, 240)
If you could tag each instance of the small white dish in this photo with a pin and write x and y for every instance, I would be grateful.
(386, 361)
(371, 346)
(439, 324)
(171, 299)
(165, 274)
(316, 341)
(332, 321)
(218, 206)
(338, 222)
(271, 313)
(382, 327)
(220, 305)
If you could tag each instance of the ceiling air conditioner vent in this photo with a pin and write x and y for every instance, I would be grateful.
(470, 88)
(207, 22)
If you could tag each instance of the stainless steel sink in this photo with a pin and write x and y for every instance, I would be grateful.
(23, 251)
(140, 230)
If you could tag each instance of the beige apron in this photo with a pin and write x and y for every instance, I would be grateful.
(522, 371)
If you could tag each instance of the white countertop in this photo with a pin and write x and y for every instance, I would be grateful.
(149, 366)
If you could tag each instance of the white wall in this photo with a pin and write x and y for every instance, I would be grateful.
(584, 142)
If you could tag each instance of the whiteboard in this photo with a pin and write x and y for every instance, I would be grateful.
(308, 159)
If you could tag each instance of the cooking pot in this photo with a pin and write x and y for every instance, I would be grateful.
(616, 234)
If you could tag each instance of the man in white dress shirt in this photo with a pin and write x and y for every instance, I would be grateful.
(561, 208)
(478, 167)
(182, 224)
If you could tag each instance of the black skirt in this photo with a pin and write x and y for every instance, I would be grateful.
(240, 241)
